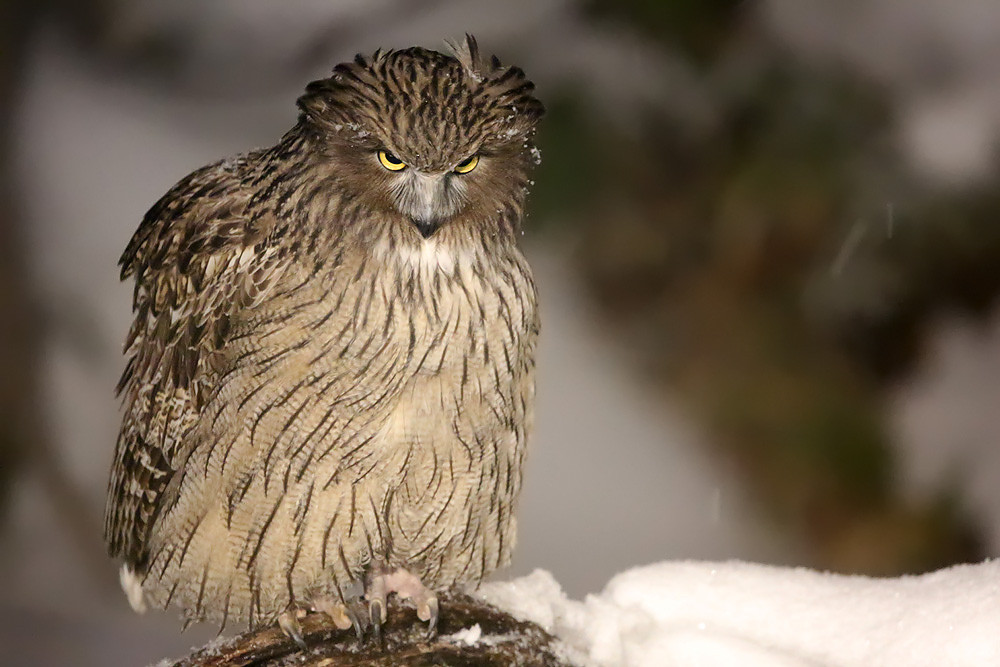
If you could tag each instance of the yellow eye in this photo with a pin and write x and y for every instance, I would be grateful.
(390, 161)
(468, 165)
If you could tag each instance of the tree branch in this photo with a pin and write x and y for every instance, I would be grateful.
(501, 640)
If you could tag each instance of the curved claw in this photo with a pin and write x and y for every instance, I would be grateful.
(430, 611)
(337, 611)
(376, 595)
(376, 609)
(354, 614)
(289, 624)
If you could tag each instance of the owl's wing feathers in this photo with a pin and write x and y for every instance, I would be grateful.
(198, 256)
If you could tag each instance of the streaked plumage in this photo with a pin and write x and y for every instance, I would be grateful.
(330, 373)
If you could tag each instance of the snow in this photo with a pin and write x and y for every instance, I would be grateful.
(689, 613)
(466, 636)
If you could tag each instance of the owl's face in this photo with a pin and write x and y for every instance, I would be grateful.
(428, 196)
(427, 138)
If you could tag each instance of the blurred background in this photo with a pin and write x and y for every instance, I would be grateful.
(765, 235)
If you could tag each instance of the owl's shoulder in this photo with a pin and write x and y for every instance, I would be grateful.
(206, 212)
(195, 258)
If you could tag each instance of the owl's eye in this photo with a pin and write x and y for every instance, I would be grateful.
(390, 161)
(465, 166)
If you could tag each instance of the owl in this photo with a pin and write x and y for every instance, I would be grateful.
(329, 377)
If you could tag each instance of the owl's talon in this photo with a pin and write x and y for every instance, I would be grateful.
(289, 624)
(356, 612)
(376, 608)
(427, 606)
(430, 611)
(376, 596)
(337, 611)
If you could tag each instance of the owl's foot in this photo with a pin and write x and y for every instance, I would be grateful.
(288, 621)
(343, 615)
(406, 586)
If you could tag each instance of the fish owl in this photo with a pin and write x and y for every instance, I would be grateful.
(329, 377)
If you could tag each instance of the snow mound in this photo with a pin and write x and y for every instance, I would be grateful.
(680, 614)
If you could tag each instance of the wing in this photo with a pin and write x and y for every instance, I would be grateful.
(198, 256)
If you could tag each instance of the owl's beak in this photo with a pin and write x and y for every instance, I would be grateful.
(427, 200)
(425, 226)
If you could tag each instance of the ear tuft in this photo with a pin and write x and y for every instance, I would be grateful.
(467, 53)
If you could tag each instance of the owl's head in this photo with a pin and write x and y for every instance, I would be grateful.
(429, 138)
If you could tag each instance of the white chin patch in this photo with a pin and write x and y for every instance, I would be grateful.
(428, 257)
(132, 586)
